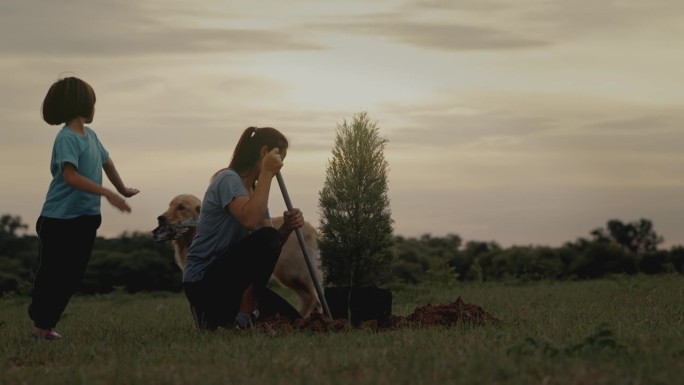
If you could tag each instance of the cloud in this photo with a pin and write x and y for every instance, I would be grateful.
(537, 141)
(445, 26)
(567, 18)
(532, 23)
(448, 36)
(125, 28)
(467, 121)
(617, 18)
(487, 6)
(646, 123)
(456, 124)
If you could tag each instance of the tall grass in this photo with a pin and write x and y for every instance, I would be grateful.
(613, 331)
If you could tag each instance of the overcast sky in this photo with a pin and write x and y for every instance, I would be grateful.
(523, 122)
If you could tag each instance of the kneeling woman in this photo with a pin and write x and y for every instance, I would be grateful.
(236, 247)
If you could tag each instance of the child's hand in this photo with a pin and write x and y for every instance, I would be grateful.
(128, 192)
(118, 202)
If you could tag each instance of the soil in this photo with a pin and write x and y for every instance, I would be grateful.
(457, 312)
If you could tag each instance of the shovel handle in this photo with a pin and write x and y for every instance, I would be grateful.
(302, 244)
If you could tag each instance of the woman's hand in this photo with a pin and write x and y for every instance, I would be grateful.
(293, 219)
(272, 162)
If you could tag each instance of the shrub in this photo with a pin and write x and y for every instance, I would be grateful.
(356, 227)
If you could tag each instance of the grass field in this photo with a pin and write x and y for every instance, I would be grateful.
(626, 330)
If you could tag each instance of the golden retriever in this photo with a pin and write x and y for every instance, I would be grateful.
(179, 221)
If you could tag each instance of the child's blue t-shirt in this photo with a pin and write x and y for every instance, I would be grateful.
(217, 229)
(88, 155)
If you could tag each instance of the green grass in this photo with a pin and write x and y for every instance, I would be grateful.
(613, 331)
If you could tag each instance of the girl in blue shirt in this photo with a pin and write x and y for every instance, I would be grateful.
(70, 216)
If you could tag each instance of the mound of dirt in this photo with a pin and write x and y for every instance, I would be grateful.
(449, 314)
(458, 312)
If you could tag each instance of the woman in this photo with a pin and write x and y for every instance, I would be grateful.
(236, 247)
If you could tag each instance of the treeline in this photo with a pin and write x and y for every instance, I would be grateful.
(135, 262)
(619, 248)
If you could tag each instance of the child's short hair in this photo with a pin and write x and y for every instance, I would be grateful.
(67, 99)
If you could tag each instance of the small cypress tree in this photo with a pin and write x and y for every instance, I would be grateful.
(356, 236)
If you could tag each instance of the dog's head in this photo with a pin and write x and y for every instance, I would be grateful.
(179, 218)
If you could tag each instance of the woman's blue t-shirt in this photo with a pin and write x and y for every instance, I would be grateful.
(217, 229)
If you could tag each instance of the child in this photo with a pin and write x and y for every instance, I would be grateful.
(236, 247)
(70, 216)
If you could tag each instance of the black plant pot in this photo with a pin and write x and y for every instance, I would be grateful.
(359, 304)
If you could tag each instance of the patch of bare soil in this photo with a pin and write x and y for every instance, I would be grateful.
(457, 312)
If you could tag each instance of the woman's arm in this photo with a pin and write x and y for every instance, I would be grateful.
(79, 182)
(249, 211)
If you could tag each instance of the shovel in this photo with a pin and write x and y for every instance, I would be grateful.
(305, 251)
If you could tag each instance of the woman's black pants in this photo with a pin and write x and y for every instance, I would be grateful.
(215, 300)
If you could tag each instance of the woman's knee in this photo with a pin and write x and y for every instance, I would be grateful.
(270, 238)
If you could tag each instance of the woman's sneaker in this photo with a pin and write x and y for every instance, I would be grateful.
(244, 321)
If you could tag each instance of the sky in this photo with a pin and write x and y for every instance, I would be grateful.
(523, 122)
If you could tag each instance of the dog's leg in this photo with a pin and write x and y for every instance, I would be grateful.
(291, 270)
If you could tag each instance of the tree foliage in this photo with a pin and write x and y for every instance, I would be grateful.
(356, 226)
(637, 237)
(10, 224)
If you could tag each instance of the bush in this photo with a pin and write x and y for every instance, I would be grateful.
(676, 258)
(653, 262)
(603, 258)
(525, 262)
(137, 271)
(9, 283)
(15, 276)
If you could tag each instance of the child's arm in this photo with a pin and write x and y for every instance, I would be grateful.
(114, 177)
(79, 182)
